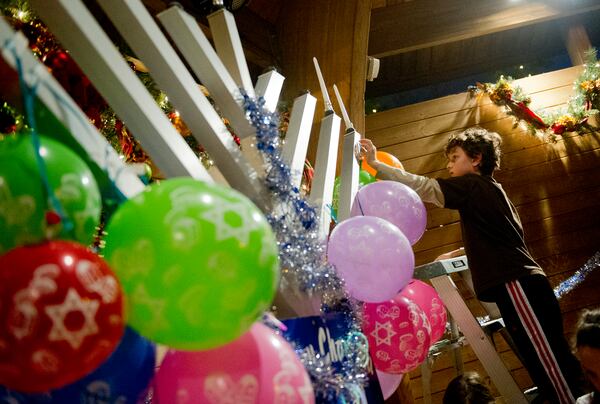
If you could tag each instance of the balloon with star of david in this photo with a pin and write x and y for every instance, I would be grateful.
(197, 261)
(398, 332)
(61, 310)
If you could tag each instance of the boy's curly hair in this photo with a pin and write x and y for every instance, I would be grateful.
(478, 141)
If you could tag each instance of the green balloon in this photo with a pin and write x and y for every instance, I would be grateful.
(198, 262)
(23, 199)
(364, 178)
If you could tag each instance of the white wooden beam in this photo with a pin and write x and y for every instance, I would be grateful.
(321, 192)
(207, 66)
(138, 28)
(56, 99)
(210, 68)
(298, 135)
(269, 86)
(349, 177)
(229, 48)
(90, 47)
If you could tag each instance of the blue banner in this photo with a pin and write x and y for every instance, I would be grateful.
(324, 335)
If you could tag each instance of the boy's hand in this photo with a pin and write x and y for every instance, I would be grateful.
(369, 151)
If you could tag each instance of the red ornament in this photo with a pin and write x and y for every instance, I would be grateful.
(558, 129)
(61, 315)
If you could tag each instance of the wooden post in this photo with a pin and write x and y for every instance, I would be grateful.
(229, 48)
(577, 42)
(269, 86)
(349, 177)
(321, 193)
(298, 135)
(207, 66)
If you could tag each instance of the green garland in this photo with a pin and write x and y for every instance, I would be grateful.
(572, 118)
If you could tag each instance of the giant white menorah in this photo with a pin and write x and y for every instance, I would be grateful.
(222, 69)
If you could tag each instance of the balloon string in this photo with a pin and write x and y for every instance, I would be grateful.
(29, 94)
(359, 204)
(29, 99)
(332, 213)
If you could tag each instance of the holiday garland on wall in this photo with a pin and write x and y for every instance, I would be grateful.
(573, 118)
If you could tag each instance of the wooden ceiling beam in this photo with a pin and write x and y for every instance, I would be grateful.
(422, 24)
(450, 72)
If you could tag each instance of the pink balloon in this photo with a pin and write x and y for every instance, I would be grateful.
(430, 302)
(259, 367)
(394, 202)
(372, 256)
(388, 382)
(399, 334)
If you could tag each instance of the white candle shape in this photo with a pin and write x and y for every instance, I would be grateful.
(344, 113)
(326, 100)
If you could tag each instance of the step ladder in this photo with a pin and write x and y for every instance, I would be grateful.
(438, 273)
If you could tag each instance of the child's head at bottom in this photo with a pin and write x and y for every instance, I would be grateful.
(587, 343)
(468, 388)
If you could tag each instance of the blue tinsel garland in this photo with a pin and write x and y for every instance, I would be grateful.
(574, 280)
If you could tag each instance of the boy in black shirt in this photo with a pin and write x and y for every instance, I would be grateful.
(502, 268)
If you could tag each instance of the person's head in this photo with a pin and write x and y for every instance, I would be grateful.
(474, 151)
(587, 342)
(467, 388)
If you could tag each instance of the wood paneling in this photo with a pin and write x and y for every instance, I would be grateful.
(555, 187)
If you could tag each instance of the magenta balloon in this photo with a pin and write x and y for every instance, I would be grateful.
(394, 202)
(389, 383)
(427, 298)
(399, 334)
(259, 367)
(372, 256)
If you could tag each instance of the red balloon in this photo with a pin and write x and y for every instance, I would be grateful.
(61, 315)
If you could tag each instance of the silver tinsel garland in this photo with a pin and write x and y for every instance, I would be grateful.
(294, 220)
(304, 265)
(340, 385)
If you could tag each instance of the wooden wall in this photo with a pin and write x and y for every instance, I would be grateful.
(555, 187)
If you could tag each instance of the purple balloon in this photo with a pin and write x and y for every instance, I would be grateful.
(389, 383)
(394, 202)
(372, 256)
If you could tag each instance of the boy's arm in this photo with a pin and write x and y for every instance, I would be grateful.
(428, 189)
